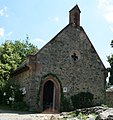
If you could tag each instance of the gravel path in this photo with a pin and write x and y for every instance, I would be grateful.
(7, 116)
(24, 116)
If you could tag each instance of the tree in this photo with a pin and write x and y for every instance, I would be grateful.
(110, 60)
(8, 61)
(12, 54)
(23, 48)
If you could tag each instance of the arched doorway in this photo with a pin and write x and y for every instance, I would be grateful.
(48, 95)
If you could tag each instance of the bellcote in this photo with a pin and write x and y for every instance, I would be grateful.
(74, 16)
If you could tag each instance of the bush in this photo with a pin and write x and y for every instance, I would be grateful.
(1, 97)
(82, 100)
(65, 104)
(12, 96)
(20, 106)
(12, 93)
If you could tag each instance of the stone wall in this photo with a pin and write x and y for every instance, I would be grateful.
(109, 97)
(87, 73)
(84, 73)
(26, 80)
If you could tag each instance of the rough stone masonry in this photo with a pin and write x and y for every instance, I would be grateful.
(68, 64)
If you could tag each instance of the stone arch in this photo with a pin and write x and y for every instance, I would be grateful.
(55, 106)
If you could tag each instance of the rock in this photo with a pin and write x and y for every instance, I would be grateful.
(91, 117)
(106, 115)
(96, 110)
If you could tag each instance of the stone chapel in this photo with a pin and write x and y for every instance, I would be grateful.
(68, 64)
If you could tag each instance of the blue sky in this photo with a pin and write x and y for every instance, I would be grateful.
(43, 19)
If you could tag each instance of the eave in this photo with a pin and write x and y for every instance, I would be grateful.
(20, 70)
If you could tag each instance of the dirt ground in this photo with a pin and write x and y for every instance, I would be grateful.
(9, 115)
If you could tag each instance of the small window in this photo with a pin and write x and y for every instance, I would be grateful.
(75, 55)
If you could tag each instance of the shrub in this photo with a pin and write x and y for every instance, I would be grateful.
(20, 106)
(65, 104)
(1, 97)
(12, 96)
(82, 100)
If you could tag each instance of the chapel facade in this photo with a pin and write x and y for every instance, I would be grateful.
(67, 65)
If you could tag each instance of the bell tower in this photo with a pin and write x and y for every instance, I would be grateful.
(74, 16)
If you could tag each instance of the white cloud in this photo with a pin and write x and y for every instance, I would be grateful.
(54, 19)
(2, 32)
(106, 7)
(3, 12)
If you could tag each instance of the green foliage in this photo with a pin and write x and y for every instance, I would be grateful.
(12, 96)
(23, 49)
(110, 60)
(80, 116)
(20, 106)
(12, 54)
(65, 103)
(8, 62)
(82, 100)
(104, 106)
(72, 114)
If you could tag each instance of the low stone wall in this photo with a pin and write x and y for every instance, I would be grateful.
(109, 97)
